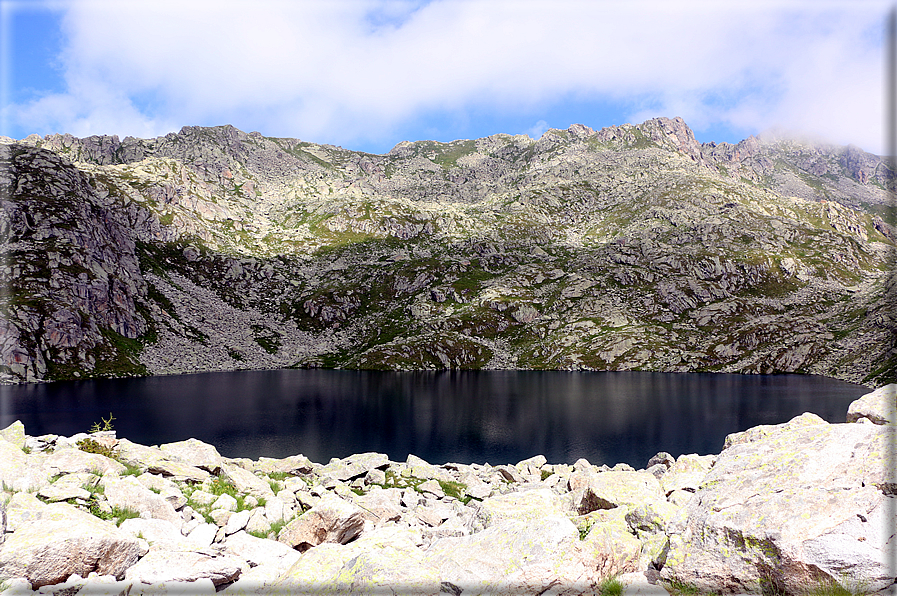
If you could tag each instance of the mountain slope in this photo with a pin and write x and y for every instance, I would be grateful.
(632, 247)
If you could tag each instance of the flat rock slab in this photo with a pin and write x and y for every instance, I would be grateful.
(511, 557)
(20, 471)
(260, 551)
(60, 540)
(625, 488)
(294, 464)
(129, 493)
(331, 568)
(156, 461)
(153, 530)
(353, 466)
(73, 461)
(246, 482)
(67, 487)
(195, 453)
(790, 505)
(184, 566)
(686, 473)
(523, 506)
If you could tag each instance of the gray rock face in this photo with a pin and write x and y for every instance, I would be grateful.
(213, 249)
(790, 506)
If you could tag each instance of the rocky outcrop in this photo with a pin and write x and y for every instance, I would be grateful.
(878, 407)
(793, 508)
(631, 247)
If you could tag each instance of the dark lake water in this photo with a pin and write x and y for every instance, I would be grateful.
(472, 416)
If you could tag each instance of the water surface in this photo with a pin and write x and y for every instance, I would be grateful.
(461, 416)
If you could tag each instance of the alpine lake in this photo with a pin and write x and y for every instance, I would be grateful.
(491, 417)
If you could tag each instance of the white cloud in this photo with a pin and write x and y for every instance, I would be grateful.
(537, 130)
(355, 70)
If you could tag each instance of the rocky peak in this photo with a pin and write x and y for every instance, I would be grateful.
(675, 134)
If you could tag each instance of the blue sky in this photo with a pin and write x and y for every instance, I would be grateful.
(366, 74)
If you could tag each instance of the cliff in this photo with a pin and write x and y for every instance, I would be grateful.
(627, 248)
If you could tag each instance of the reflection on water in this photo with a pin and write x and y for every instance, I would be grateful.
(470, 416)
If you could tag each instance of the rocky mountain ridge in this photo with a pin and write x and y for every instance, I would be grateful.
(632, 247)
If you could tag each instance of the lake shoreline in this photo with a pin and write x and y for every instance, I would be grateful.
(462, 416)
(208, 523)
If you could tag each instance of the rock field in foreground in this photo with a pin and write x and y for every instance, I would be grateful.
(782, 509)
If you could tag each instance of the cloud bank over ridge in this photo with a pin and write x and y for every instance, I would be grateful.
(368, 73)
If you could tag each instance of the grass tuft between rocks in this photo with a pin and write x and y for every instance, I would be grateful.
(612, 586)
(679, 588)
(89, 445)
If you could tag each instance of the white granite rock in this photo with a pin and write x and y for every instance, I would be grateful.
(880, 406)
(792, 504)
(184, 566)
(59, 540)
(331, 520)
(196, 453)
(129, 493)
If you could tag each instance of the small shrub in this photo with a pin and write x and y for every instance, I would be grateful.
(257, 533)
(91, 446)
(106, 426)
(117, 514)
(584, 529)
(95, 489)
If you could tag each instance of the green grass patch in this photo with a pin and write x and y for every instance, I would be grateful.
(453, 489)
(130, 469)
(279, 476)
(117, 515)
(610, 587)
(89, 445)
